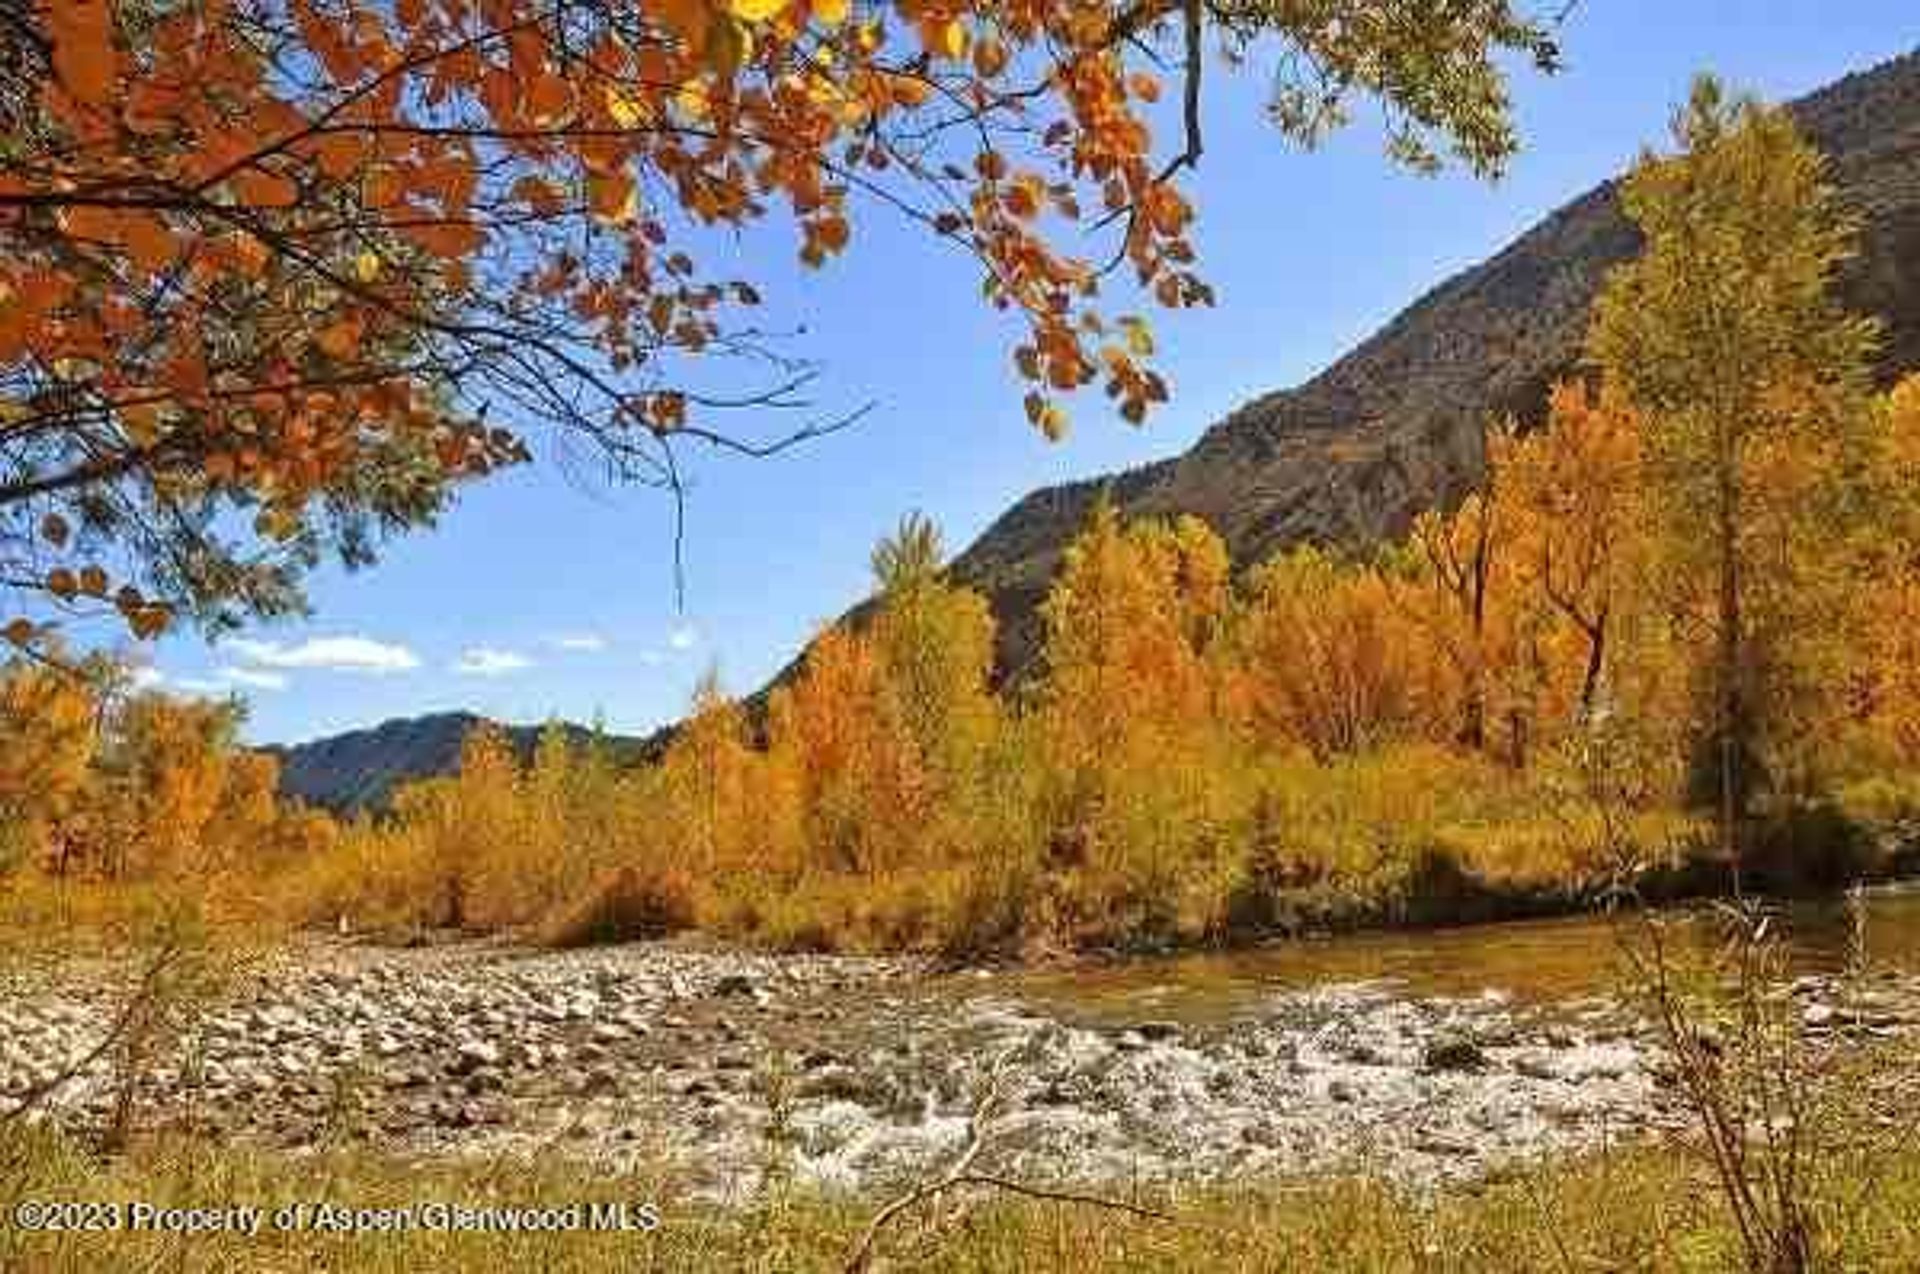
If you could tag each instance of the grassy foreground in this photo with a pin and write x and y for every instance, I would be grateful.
(1647, 1208)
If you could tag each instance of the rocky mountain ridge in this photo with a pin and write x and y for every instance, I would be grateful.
(360, 769)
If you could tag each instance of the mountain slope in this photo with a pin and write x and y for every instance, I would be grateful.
(361, 769)
(1393, 428)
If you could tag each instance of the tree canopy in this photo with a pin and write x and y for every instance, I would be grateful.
(276, 275)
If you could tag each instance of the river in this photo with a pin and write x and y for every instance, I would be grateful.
(1426, 1056)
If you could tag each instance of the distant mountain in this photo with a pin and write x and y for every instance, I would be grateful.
(1388, 431)
(360, 770)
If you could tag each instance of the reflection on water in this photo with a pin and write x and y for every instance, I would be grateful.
(1542, 960)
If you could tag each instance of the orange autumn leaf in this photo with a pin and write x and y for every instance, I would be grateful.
(450, 240)
(84, 57)
(338, 339)
(262, 188)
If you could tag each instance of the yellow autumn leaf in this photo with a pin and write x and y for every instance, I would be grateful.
(1139, 337)
(366, 266)
(142, 422)
(831, 12)
(615, 199)
(692, 100)
(1053, 423)
(627, 109)
(948, 39)
(755, 10)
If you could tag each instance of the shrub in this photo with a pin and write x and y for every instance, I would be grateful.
(625, 905)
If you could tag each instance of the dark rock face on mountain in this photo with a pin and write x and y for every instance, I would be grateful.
(360, 770)
(1394, 427)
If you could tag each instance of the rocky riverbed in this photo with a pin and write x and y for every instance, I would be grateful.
(855, 1073)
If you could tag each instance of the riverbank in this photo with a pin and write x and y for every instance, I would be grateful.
(1415, 838)
(1423, 1059)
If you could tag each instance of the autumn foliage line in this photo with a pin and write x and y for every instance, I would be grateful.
(1326, 739)
(111, 796)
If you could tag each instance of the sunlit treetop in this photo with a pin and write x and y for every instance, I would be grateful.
(275, 273)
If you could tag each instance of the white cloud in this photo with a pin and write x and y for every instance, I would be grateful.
(684, 637)
(254, 678)
(336, 654)
(148, 678)
(206, 687)
(219, 683)
(652, 658)
(485, 661)
(579, 643)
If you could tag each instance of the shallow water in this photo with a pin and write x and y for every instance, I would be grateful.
(1534, 961)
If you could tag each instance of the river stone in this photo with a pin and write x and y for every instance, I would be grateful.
(1454, 1053)
(1535, 1068)
(471, 1055)
(485, 1080)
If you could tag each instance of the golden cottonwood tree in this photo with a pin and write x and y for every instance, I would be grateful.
(1127, 710)
(164, 771)
(48, 733)
(862, 780)
(706, 778)
(1128, 623)
(1887, 602)
(100, 783)
(470, 826)
(1451, 558)
(1325, 657)
(1726, 338)
(1572, 499)
(935, 645)
(275, 273)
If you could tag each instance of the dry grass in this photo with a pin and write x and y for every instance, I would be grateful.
(1646, 1210)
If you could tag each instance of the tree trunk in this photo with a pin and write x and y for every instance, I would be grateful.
(1476, 726)
(1596, 665)
(1732, 716)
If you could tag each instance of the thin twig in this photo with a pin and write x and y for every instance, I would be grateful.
(137, 1004)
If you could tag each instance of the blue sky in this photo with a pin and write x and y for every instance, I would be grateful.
(540, 596)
